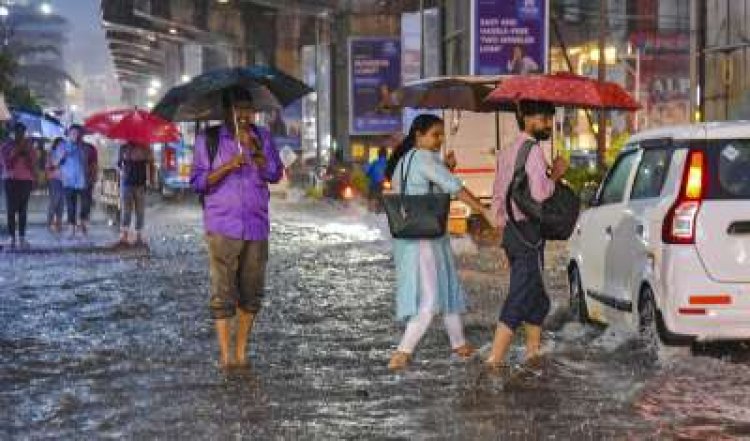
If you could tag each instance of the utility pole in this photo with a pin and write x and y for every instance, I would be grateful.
(421, 39)
(601, 133)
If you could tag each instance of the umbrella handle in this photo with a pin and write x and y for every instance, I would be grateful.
(236, 129)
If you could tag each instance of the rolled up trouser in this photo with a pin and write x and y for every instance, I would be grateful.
(133, 197)
(56, 201)
(527, 301)
(238, 274)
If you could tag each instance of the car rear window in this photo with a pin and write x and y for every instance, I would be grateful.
(729, 162)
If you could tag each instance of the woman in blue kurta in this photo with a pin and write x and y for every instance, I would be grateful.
(428, 283)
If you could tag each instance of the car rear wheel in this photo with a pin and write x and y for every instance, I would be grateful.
(578, 309)
(648, 324)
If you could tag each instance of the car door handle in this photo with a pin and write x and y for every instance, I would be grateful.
(608, 232)
(639, 230)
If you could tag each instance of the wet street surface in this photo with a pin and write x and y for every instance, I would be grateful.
(120, 345)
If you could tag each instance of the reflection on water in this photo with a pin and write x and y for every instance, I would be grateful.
(98, 345)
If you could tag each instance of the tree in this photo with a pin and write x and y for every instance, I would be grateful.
(15, 95)
(7, 71)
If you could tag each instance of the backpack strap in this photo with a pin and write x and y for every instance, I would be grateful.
(212, 144)
(519, 169)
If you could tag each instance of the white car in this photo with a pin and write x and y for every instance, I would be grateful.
(665, 246)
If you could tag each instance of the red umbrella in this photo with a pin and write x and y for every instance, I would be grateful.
(564, 89)
(138, 126)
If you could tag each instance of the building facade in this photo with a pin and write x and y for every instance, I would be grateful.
(35, 36)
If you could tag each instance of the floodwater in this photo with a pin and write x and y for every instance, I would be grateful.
(106, 345)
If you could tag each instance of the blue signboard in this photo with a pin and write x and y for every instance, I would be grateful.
(375, 75)
(509, 37)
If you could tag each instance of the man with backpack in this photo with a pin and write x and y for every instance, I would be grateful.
(232, 167)
(527, 303)
(136, 165)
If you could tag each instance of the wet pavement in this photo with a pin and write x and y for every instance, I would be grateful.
(120, 345)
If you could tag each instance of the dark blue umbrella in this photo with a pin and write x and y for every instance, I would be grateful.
(204, 97)
(38, 124)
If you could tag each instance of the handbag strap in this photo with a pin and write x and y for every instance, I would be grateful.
(519, 169)
(405, 173)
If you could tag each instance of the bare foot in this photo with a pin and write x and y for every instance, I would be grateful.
(465, 352)
(399, 361)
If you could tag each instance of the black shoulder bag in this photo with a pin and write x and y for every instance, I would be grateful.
(557, 216)
(416, 216)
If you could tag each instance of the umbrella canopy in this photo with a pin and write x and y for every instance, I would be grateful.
(137, 126)
(563, 89)
(4, 112)
(202, 98)
(456, 92)
(38, 124)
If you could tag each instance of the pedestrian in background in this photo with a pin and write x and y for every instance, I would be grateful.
(92, 176)
(19, 158)
(55, 188)
(136, 165)
(233, 175)
(71, 158)
(40, 167)
(428, 282)
(376, 176)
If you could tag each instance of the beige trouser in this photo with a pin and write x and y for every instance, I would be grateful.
(238, 273)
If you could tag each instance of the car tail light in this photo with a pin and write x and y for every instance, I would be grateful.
(679, 224)
(348, 193)
(386, 185)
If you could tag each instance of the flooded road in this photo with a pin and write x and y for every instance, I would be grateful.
(106, 345)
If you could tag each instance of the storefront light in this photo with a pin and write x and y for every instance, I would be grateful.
(610, 54)
(4, 11)
(45, 8)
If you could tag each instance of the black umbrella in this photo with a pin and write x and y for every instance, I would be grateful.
(203, 98)
(458, 93)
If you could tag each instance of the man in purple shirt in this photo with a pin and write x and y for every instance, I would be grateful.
(234, 184)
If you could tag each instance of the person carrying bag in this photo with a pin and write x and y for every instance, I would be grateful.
(426, 274)
(528, 213)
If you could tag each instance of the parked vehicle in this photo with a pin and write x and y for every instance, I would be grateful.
(475, 139)
(665, 246)
(585, 159)
(174, 163)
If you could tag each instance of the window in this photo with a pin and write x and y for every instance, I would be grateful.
(652, 172)
(613, 191)
(734, 169)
